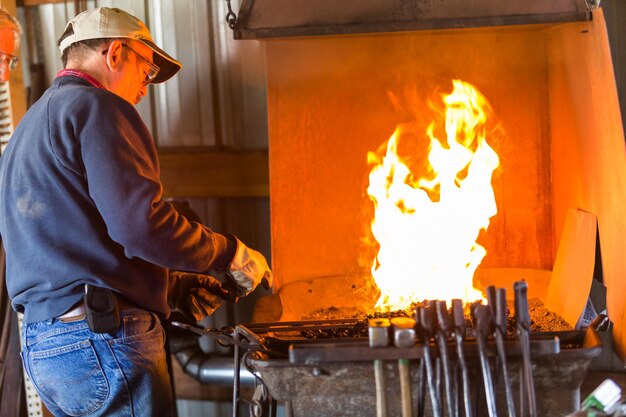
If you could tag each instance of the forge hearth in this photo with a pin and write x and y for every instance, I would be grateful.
(562, 175)
(332, 368)
(335, 98)
(336, 377)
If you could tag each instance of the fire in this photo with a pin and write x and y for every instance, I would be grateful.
(427, 227)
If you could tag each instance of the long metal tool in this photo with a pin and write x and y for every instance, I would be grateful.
(522, 319)
(378, 331)
(483, 323)
(421, 379)
(404, 338)
(426, 329)
(458, 318)
(443, 331)
(500, 335)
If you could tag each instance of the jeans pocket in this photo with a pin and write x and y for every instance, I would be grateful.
(138, 323)
(77, 366)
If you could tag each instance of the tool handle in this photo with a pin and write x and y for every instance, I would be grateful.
(443, 319)
(483, 320)
(501, 310)
(381, 388)
(458, 316)
(426, 322)
(491, 298)
(522, 316)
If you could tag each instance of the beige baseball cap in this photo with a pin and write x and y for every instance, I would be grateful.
(105, 22)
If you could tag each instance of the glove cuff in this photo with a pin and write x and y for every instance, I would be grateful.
(173, 278)
(233, 247)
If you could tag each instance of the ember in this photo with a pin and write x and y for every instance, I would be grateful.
(541, 320)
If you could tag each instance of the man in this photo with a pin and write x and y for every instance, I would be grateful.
(10, 32)
(81, 203)
(11, 380)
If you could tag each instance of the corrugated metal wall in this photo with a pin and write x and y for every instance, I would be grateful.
(217, 99)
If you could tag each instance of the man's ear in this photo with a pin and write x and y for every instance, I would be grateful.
(113, 56)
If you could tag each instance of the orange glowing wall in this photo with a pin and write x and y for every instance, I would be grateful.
(551, 87)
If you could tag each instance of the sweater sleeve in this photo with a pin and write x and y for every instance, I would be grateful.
(120, 166)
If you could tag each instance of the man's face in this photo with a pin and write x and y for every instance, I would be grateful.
(139, 65)
(7, 46)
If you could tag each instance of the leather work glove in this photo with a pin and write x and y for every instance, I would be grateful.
(194, 295)
(248, 269)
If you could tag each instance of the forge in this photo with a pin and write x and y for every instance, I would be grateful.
(340, 82)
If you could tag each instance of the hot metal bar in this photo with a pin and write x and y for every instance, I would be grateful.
(286, 326)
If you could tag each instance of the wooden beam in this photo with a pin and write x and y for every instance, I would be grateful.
(27, 3)
(201, 173)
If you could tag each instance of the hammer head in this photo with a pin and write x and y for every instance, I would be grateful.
(403, 332)
(378, 330)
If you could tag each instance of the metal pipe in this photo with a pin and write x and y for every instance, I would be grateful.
(205, 367)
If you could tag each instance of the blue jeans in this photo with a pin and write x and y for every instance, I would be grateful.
(81, 373)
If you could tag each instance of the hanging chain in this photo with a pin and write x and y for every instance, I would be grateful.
(231, 17)
(593, 4)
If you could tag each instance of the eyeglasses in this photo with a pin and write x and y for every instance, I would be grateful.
(154, 69)
(11, 60)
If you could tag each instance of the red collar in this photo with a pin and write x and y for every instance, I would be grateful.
(82, 75)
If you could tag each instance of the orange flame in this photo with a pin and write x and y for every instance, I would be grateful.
(427, 229)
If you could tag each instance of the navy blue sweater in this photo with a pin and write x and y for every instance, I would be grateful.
(81, 202)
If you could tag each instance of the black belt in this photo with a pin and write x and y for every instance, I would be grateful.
(79, 311)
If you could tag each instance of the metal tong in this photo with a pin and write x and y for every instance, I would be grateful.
(522, 319)
(225, 337)
(443, 331)
(500, 335)
(426, 329)
(458, 318)
(483, 321)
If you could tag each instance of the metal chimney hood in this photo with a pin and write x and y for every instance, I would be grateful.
(261, 19)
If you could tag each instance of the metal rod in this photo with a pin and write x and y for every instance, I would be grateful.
(421, 389)
(443, 323)
(237, 367)
(500, 333)
(522, 319)
(426, 327)
(482, 318)
(458, 317)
